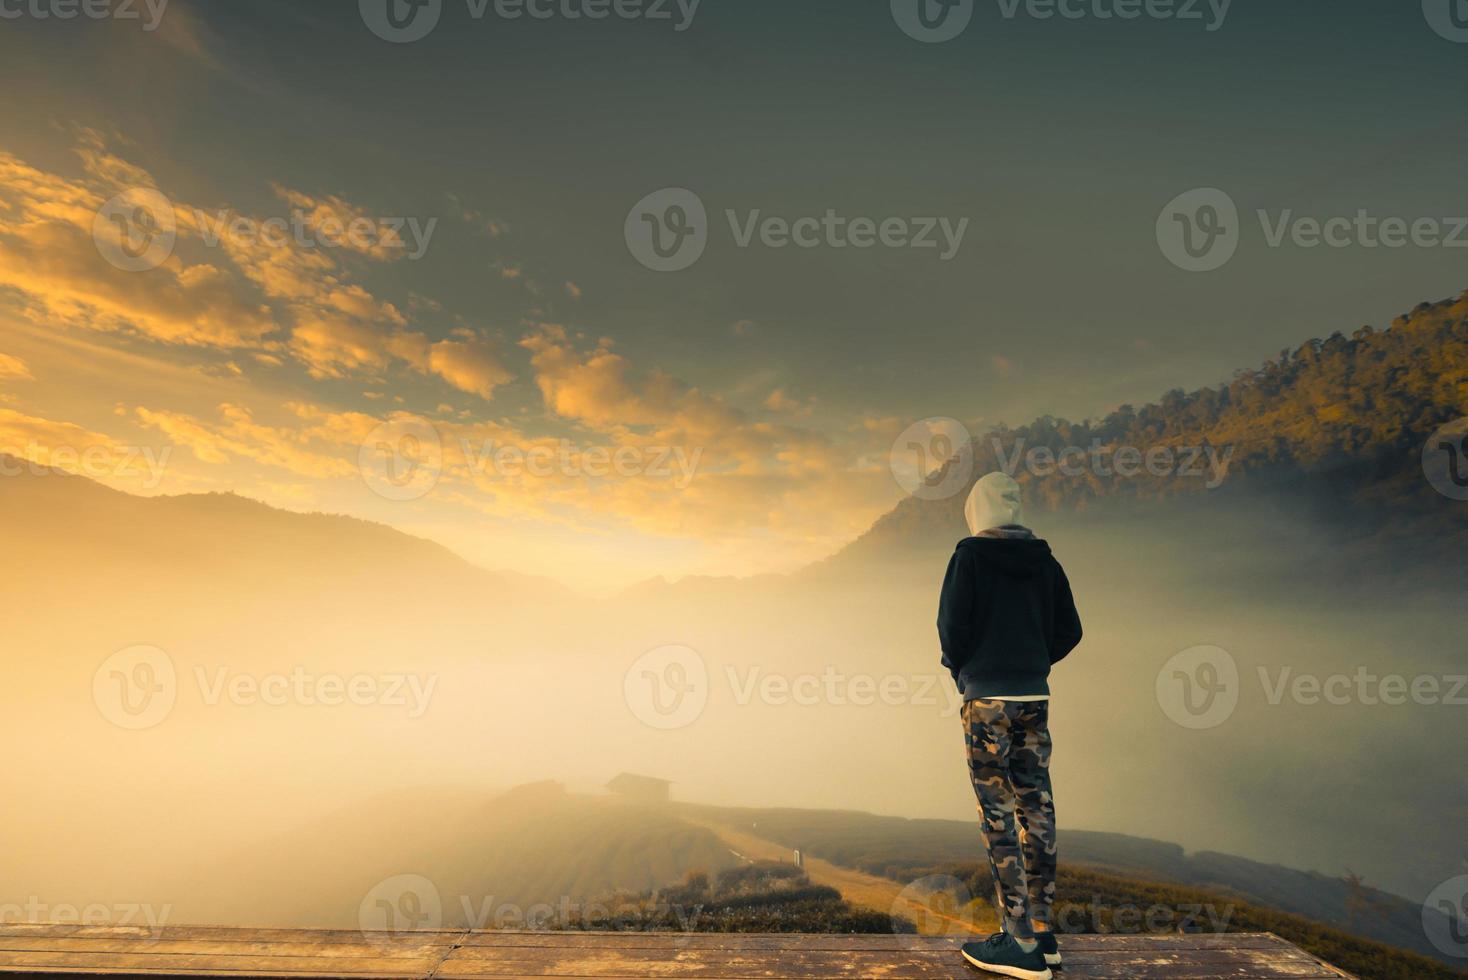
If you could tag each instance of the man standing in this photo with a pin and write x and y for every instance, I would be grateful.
(1006, 616)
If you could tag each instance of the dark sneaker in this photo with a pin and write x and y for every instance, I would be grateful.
(1000, 954)
(1049, 948)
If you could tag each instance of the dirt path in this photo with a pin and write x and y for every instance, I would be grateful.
(859, 888)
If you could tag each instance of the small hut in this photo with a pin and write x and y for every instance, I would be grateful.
(640, 789)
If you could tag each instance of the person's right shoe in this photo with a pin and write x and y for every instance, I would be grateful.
(1001, 954)
(1049, 948)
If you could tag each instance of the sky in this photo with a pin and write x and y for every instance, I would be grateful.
(262, 248)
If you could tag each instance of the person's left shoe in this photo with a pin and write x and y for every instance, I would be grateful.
(1001, 954)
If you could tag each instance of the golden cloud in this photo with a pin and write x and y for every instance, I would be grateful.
(470, 364)
(14, 367)
(267, 291)
(312, 451)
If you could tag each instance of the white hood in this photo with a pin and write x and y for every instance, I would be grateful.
(993, 502)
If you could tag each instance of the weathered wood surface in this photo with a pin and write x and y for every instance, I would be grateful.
(194, 951)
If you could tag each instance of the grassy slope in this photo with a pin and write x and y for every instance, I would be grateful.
(869, 891)
(1109, 870)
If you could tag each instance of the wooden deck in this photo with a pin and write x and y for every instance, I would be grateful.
(182, 951)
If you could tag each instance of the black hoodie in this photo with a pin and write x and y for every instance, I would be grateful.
(1006, 615)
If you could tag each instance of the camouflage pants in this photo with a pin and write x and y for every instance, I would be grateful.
(1009, 762)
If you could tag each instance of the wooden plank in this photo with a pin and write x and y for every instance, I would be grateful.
(947, 967)
(358, 950)
(183, 963)
(442, 937)
(225, 952)
(656, 940)
(639, 938)
(116, 952)
(621, 962)
(767, 967)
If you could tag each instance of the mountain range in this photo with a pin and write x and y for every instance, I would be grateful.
(1332, 431)
(1324, 548)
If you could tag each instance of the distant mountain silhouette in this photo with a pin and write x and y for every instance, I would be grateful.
(85, 540)
(1332, 431)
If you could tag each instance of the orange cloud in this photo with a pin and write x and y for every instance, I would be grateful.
(752, 475)
(59, 269)
(470, 364)
(14, 367)
(334, 220)
(25, 435)
(75, 449)
(266, 291)
(313, 451)
(595, 387)
(782, 403)
(47, 254)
